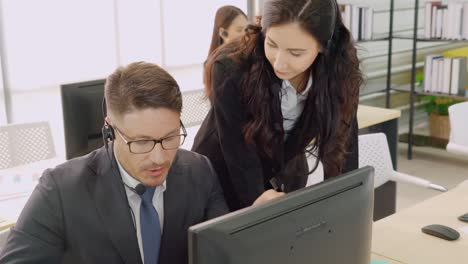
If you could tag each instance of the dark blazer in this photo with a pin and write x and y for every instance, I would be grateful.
(244, 173)
(79, 213)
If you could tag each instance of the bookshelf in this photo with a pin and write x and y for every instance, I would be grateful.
(388, 37)
(419, 91)
(411, 88)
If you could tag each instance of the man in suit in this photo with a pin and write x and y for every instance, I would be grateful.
(130, 201)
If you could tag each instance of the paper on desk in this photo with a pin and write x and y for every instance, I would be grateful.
(463, 230)
(21, 180)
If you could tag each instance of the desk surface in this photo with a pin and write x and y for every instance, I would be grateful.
(379, 259)
(369, 115)
(399, 236)
(4, 224)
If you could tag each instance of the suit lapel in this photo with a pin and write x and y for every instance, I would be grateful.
(278, 148)
(112, 206)
(175, 209)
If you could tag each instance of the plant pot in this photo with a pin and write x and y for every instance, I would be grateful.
(439, 126)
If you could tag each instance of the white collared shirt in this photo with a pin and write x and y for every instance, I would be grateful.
(292, 104)
(134, 201)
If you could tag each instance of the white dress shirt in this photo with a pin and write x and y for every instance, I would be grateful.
(292, 104)
(134, 201)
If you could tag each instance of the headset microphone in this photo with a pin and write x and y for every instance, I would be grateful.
(140, 189)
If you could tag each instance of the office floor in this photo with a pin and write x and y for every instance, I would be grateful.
(436, 165)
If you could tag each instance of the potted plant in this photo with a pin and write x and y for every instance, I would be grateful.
(437, 109)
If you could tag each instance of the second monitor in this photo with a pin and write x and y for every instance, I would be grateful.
(82, 117)
(328, 223)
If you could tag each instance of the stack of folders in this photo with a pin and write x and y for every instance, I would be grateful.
(446, 21)
(445, 75)
(358, 20)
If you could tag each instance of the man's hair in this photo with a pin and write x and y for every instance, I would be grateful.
(141, 85)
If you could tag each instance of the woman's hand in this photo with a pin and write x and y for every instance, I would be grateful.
(267, 196)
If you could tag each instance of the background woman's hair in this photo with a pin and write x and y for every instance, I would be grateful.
(223, 19)
(332, 102)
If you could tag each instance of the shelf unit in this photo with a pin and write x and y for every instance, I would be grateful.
(386, 37)
(411, 88)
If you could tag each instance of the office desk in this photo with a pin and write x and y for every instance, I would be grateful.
(376, 258)
(16, 185)
(5, 223)
(373, 120)
(399, 236)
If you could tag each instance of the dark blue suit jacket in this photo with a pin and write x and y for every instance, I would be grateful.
(79, 213)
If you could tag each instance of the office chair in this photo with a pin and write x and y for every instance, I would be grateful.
(458, 142)
(26, 150)
(194, 110)
(374, 151)
(26, 143)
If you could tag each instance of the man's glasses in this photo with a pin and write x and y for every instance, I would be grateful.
(147, 145)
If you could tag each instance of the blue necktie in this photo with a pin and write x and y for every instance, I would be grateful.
(150, 227)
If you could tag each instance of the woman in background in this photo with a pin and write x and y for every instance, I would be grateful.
(229, 24)
(288, 88)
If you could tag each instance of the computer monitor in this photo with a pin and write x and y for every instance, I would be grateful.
(328, 223)
(82, 117)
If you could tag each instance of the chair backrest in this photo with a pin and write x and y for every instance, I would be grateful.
(458, 115)
(194, 107)
(25, 143)
(374, 151)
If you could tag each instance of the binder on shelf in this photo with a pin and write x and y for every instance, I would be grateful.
(464, 28)
(447, 75)
(459, 67)
(428, 71)
(428, 22)
(446, 21)
(361, 24)
(358, 20)
(435, 75)
(440, 78)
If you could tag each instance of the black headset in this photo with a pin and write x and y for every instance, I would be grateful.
(224, 33)
(334, 14)
(108, 135)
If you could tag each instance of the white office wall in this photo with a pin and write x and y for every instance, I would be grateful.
(54, 41)
(138, 25)
(3, 117)
(48, 43)
(188, 26)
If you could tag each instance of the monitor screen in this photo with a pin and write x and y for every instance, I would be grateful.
(82, 117)
(326, 223)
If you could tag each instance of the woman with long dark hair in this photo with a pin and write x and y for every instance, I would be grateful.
(289, 87)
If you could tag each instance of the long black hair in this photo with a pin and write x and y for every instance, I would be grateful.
(332, 102)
